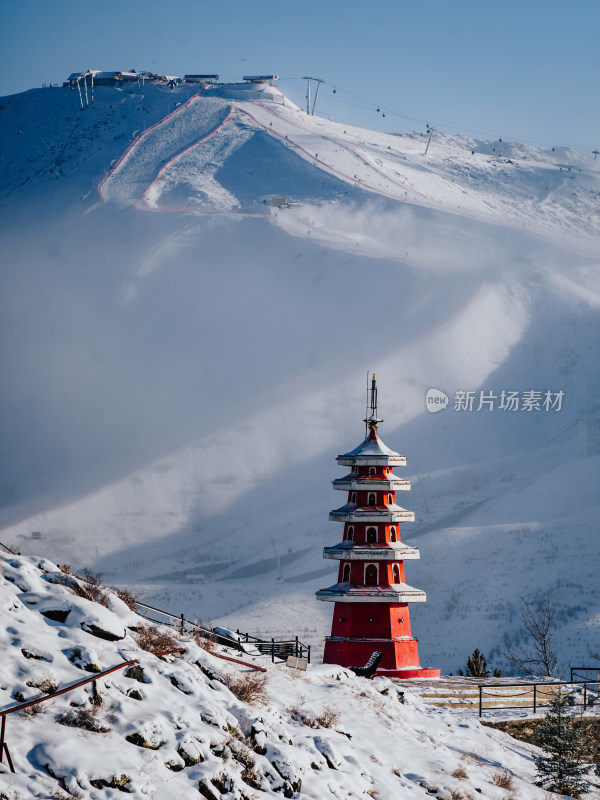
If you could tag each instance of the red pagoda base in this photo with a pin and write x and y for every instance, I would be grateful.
(400, 657)
(416, 672)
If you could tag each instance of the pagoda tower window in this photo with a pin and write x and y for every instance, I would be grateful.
(371, 535)
(392, 534)
(346, 578)
(371, 575)
(395, 574)
(371, 499)
(350, 533)
(354, 497)
(371, 470)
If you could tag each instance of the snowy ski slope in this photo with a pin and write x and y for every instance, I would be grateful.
(187, 360)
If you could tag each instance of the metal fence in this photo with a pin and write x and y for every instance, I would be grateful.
(276, 648)
(535, 695)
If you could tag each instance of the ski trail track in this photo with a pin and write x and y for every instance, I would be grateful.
(175, 171)
(480, 209)
(180, 130)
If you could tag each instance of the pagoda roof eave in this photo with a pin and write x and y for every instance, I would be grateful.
(353, 513)
(396, 593)
(371, 483)
(391, 551)
(394, 460)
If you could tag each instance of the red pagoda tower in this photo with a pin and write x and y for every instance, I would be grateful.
(371, 597)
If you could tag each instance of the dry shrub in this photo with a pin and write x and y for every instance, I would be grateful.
(82, 718)
(127, 595)
(31, 711)
(89, 586)
(13, 548)
(249, 687)
(328, 717)
(206, 641)
(504, 780)
(154, 640)
(96, 591)
(473, 756)
(460, 773)
(48, 685)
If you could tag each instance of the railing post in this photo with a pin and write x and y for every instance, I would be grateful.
(534, 698)
(584, 696)
(296, 647)
(480, 700)
(309, 654)
(272, 650)
(571, 674)
(4, 746)
(182, 624)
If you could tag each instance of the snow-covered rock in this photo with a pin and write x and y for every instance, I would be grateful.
(180, 730)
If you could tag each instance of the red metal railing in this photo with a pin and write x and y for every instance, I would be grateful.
(68, 688)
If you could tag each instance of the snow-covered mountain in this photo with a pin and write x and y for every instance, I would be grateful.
(194, 724)
(187, 355)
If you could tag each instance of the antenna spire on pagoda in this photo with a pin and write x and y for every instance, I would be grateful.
(371, 420)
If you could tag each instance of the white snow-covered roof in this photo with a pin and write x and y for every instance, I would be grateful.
(372, 449)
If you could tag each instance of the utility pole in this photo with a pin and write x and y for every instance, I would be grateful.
(319, 82)
(596, 152)
(308, 79)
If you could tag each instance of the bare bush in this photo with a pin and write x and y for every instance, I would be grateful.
(460, 773)
(204, 639)
(89, 586)
(504, 780)
(31, 711)
(328, 717)
(155, 640)
(541, 657)
(47, 685)
(82, 718)
(128, 595)
(250, 687)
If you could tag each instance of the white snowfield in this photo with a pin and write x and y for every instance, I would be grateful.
(191, 732)
(553, 194)
(183, 372)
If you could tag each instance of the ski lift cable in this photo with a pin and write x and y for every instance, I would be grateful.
(368, 104)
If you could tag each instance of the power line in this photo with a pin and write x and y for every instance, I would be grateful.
(367, 104)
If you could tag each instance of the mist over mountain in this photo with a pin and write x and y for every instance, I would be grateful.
(194, 288)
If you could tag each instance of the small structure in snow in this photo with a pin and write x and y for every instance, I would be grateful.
(275, 200)
(260, 78)
(200, 78)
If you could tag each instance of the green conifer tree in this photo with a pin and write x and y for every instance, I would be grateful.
(561, 769)
(477, 666)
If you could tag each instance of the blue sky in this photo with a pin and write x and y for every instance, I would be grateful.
(527, 70)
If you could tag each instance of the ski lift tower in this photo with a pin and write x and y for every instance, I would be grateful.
(371, 596)
(318, 81)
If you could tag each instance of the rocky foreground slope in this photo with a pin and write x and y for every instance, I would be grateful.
(197, 725)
